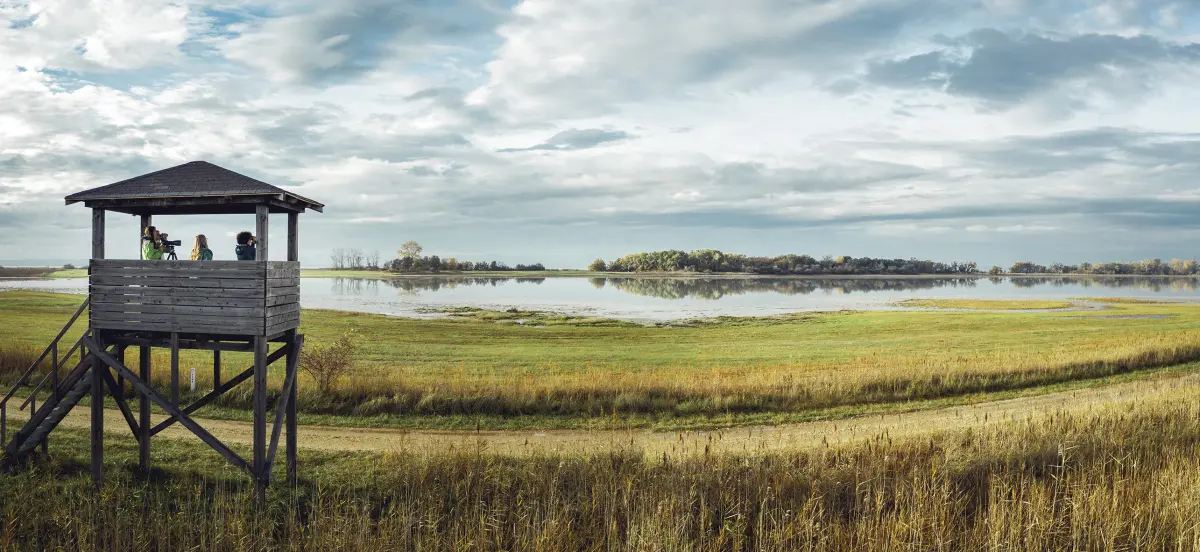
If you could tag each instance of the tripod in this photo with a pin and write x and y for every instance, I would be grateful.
(171, 254)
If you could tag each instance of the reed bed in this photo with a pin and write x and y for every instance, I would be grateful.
(1124, 479)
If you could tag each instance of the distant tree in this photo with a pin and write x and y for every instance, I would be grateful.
(598, 265)
(410, 250)
(338, 258)
(1026, 267)
(995, 270)
(373, 259)
(68, 266)
(354, 258)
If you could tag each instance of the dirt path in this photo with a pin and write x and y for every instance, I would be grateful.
(749, 439)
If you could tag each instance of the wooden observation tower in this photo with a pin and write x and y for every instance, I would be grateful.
(208, 305)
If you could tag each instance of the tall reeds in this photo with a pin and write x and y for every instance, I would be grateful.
(1127, 480)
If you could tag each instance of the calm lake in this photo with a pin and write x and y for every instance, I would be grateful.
(654, 299)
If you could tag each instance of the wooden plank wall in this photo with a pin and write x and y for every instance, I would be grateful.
(283, 297)
(253, 298)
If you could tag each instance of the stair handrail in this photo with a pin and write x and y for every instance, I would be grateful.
(23, 380)
(53, 372)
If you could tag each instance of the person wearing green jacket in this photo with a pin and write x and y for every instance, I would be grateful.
(200, 251)
(152, 248)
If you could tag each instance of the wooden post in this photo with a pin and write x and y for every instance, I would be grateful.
(54, 367)
(175, 368)
(144, 409)
(260, 411)
(291, 409)
(120, 356)
(216, 368)
(293, 253)
(98, 417)
(97, 233)
(146, 222)
(260, 231)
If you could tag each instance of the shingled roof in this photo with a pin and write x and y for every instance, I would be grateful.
(198, 187)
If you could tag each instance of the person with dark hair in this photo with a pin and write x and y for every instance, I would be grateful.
(246, 250)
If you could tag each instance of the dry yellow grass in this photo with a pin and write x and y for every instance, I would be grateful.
(1118, 477)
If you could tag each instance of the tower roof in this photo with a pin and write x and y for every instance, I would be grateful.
(198, 187)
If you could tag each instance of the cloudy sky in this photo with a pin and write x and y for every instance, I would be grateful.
(562, 130)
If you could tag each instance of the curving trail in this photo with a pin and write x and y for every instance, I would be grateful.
(739, 440)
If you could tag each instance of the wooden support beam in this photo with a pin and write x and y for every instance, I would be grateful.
(291, 413)
(293, 252)
(119, 390)
(97, 233)
(184, 344)
(285, 397)
(120, 400)
(260, 411)
(261, 228)
(97, 413)
(211, 396)
(144, 410)
(188, 422)
(175, 368)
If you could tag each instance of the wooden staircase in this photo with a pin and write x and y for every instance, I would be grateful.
(64, 393)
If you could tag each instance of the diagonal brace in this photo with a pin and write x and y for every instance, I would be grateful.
(281, 408)
(212, 395)
(169, 408)
(115, 391)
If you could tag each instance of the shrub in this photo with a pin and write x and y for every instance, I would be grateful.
(598, 265)
(328, 363)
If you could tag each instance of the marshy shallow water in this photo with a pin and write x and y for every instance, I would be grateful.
(672, 298)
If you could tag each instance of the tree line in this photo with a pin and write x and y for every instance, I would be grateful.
(1151, 267)
(712, 260)
(410, 259)
(352, 258)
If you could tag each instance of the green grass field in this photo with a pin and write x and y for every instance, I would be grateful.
(1074, 476)
(983, 304)
(481, 370)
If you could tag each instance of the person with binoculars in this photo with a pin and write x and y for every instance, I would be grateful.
(246, 249)
(155, 245)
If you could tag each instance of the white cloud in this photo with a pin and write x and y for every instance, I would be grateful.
(696, 120)
(92, 35)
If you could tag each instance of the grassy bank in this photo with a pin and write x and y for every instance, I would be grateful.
(983, 304)
(482, 370)
(1126, 479)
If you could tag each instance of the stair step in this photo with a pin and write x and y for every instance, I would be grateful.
(58, 411)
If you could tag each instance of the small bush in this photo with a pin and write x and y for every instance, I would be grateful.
(328, 363)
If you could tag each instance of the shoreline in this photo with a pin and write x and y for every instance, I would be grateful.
(381, 275)
(372, 275)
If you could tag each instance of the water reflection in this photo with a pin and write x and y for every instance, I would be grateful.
(717, 288)
(1141, 283)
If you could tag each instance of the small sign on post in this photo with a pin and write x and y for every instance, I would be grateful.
(193, 379)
